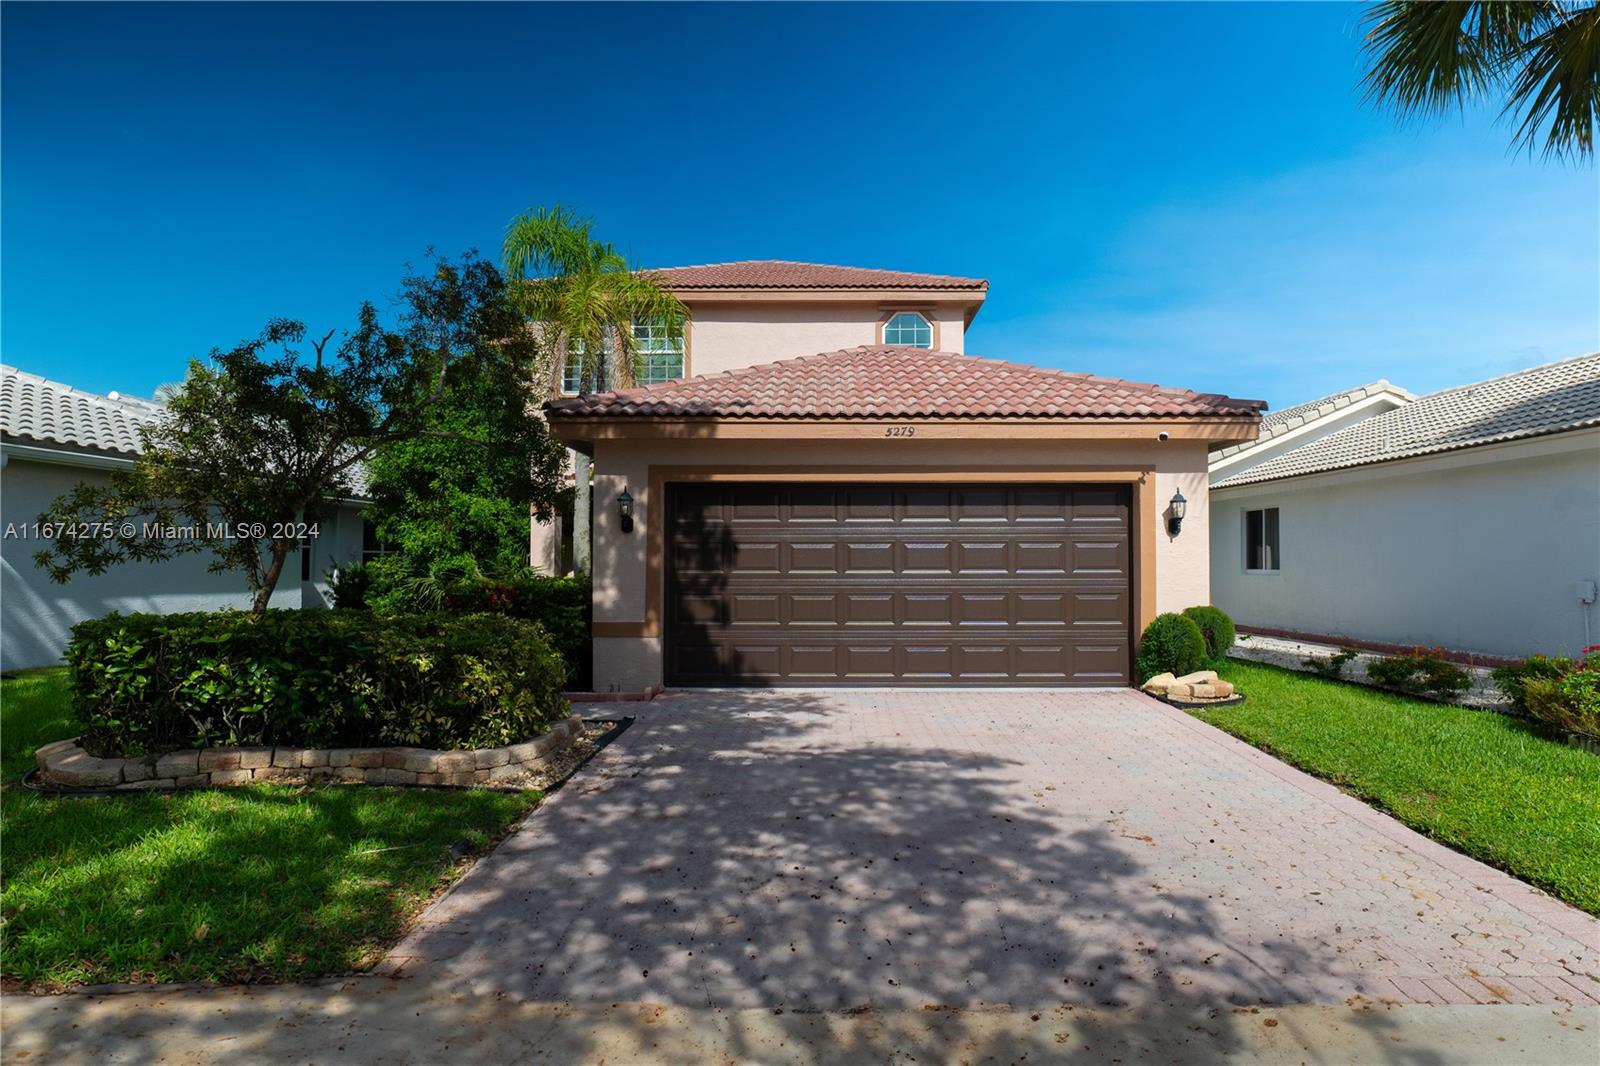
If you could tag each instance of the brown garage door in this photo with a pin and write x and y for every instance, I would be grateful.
(898, 584)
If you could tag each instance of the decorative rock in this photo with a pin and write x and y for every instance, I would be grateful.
(218, 759)
(395, 758)
(78, 767)
(391, 775)
(460, 779)
(178, 764)
(254, 758)
(1198, 677)
(1159, 684)
(430, 779)
(349, 774)
(46, 750)
(314, 757)
(232, 777)
(525, 752)
(288, 758)
(193, 781)
(366, 758)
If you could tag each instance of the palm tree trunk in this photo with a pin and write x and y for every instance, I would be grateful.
(582, 514)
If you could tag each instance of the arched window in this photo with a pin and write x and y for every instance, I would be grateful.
(908, 328)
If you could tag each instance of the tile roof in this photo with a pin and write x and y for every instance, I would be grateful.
(782, 274)
(900, 382)
(37, 409)
(1546, 399)
(1280, 422)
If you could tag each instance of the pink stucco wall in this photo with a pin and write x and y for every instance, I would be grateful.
(725, 336)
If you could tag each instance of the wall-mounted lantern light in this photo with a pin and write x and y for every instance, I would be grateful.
(1178, 506)
(625, 509)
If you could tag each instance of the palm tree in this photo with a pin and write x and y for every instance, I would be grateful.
(1542, 56)
(584, 299)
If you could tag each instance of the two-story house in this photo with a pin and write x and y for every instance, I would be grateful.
(818, 487)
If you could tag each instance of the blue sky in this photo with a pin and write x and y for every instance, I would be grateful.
(1194, 195)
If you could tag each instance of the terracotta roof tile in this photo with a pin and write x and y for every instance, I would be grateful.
(898, 382)
(782, 274)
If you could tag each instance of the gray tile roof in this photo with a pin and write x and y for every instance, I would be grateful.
(1278, 423)
(40, 411)
(1547, 399)
(37, 411)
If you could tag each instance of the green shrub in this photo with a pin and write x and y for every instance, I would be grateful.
(150, 683)
(1331, 667)
(1512, 680)
(559, 604)
(1420, 672)
(1216, 627)
(1171, 644)
(1570, 702)
(351, 584)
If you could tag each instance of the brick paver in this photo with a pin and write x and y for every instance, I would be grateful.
(904, 849)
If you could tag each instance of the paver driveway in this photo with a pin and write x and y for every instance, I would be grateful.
(905, 849)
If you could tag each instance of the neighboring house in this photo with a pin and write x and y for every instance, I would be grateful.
(887, 512)
(53, 436)
(1467, 518)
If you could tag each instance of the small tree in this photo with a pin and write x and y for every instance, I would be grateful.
(583, 299)
(462, 495)
(265, 437)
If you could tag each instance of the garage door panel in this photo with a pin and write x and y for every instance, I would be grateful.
(912, 584)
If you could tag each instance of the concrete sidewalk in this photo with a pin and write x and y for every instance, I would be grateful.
(400, 1023)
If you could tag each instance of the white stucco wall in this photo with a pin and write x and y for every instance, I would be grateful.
(1478, 550)
(634, 663)
(725, 336)
(37, 615)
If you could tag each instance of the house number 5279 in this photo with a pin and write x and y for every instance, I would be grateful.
(899, 431)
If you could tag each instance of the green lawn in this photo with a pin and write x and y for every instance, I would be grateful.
(244, 884)
(1494, 787)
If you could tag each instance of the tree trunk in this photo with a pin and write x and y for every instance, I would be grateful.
(582, 514)
(269, 580)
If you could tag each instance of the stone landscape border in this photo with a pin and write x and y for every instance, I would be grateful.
(65, 764)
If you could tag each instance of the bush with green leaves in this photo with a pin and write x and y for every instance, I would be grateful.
(559, 604)
(1570, 703)
(145, 683)
(1419, 672)
(1171, 643)
(1513, 680)
(1216, 627)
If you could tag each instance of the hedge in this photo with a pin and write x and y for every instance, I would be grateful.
(145, 683)
(559, 604)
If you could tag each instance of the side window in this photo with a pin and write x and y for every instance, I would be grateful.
(660, 355)
(1261, 540)
(371, 546)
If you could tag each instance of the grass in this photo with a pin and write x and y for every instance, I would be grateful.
(247, 884)
(1494, 787)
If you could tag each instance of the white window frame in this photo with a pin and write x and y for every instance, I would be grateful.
(652, 347)
(1273, 551)
(926, 322)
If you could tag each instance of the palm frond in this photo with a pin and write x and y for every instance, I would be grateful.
(1559, 85)
(1430, 57)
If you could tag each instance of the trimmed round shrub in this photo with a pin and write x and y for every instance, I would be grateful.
(1171, 644)
(1216, 627)
(146, 683)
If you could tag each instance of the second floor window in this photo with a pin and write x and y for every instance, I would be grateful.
(658, 357)
(910, 329)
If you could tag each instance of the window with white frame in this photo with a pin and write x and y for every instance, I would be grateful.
(371, 547)
(1261, 540)
(910, 329)
(658, 356)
